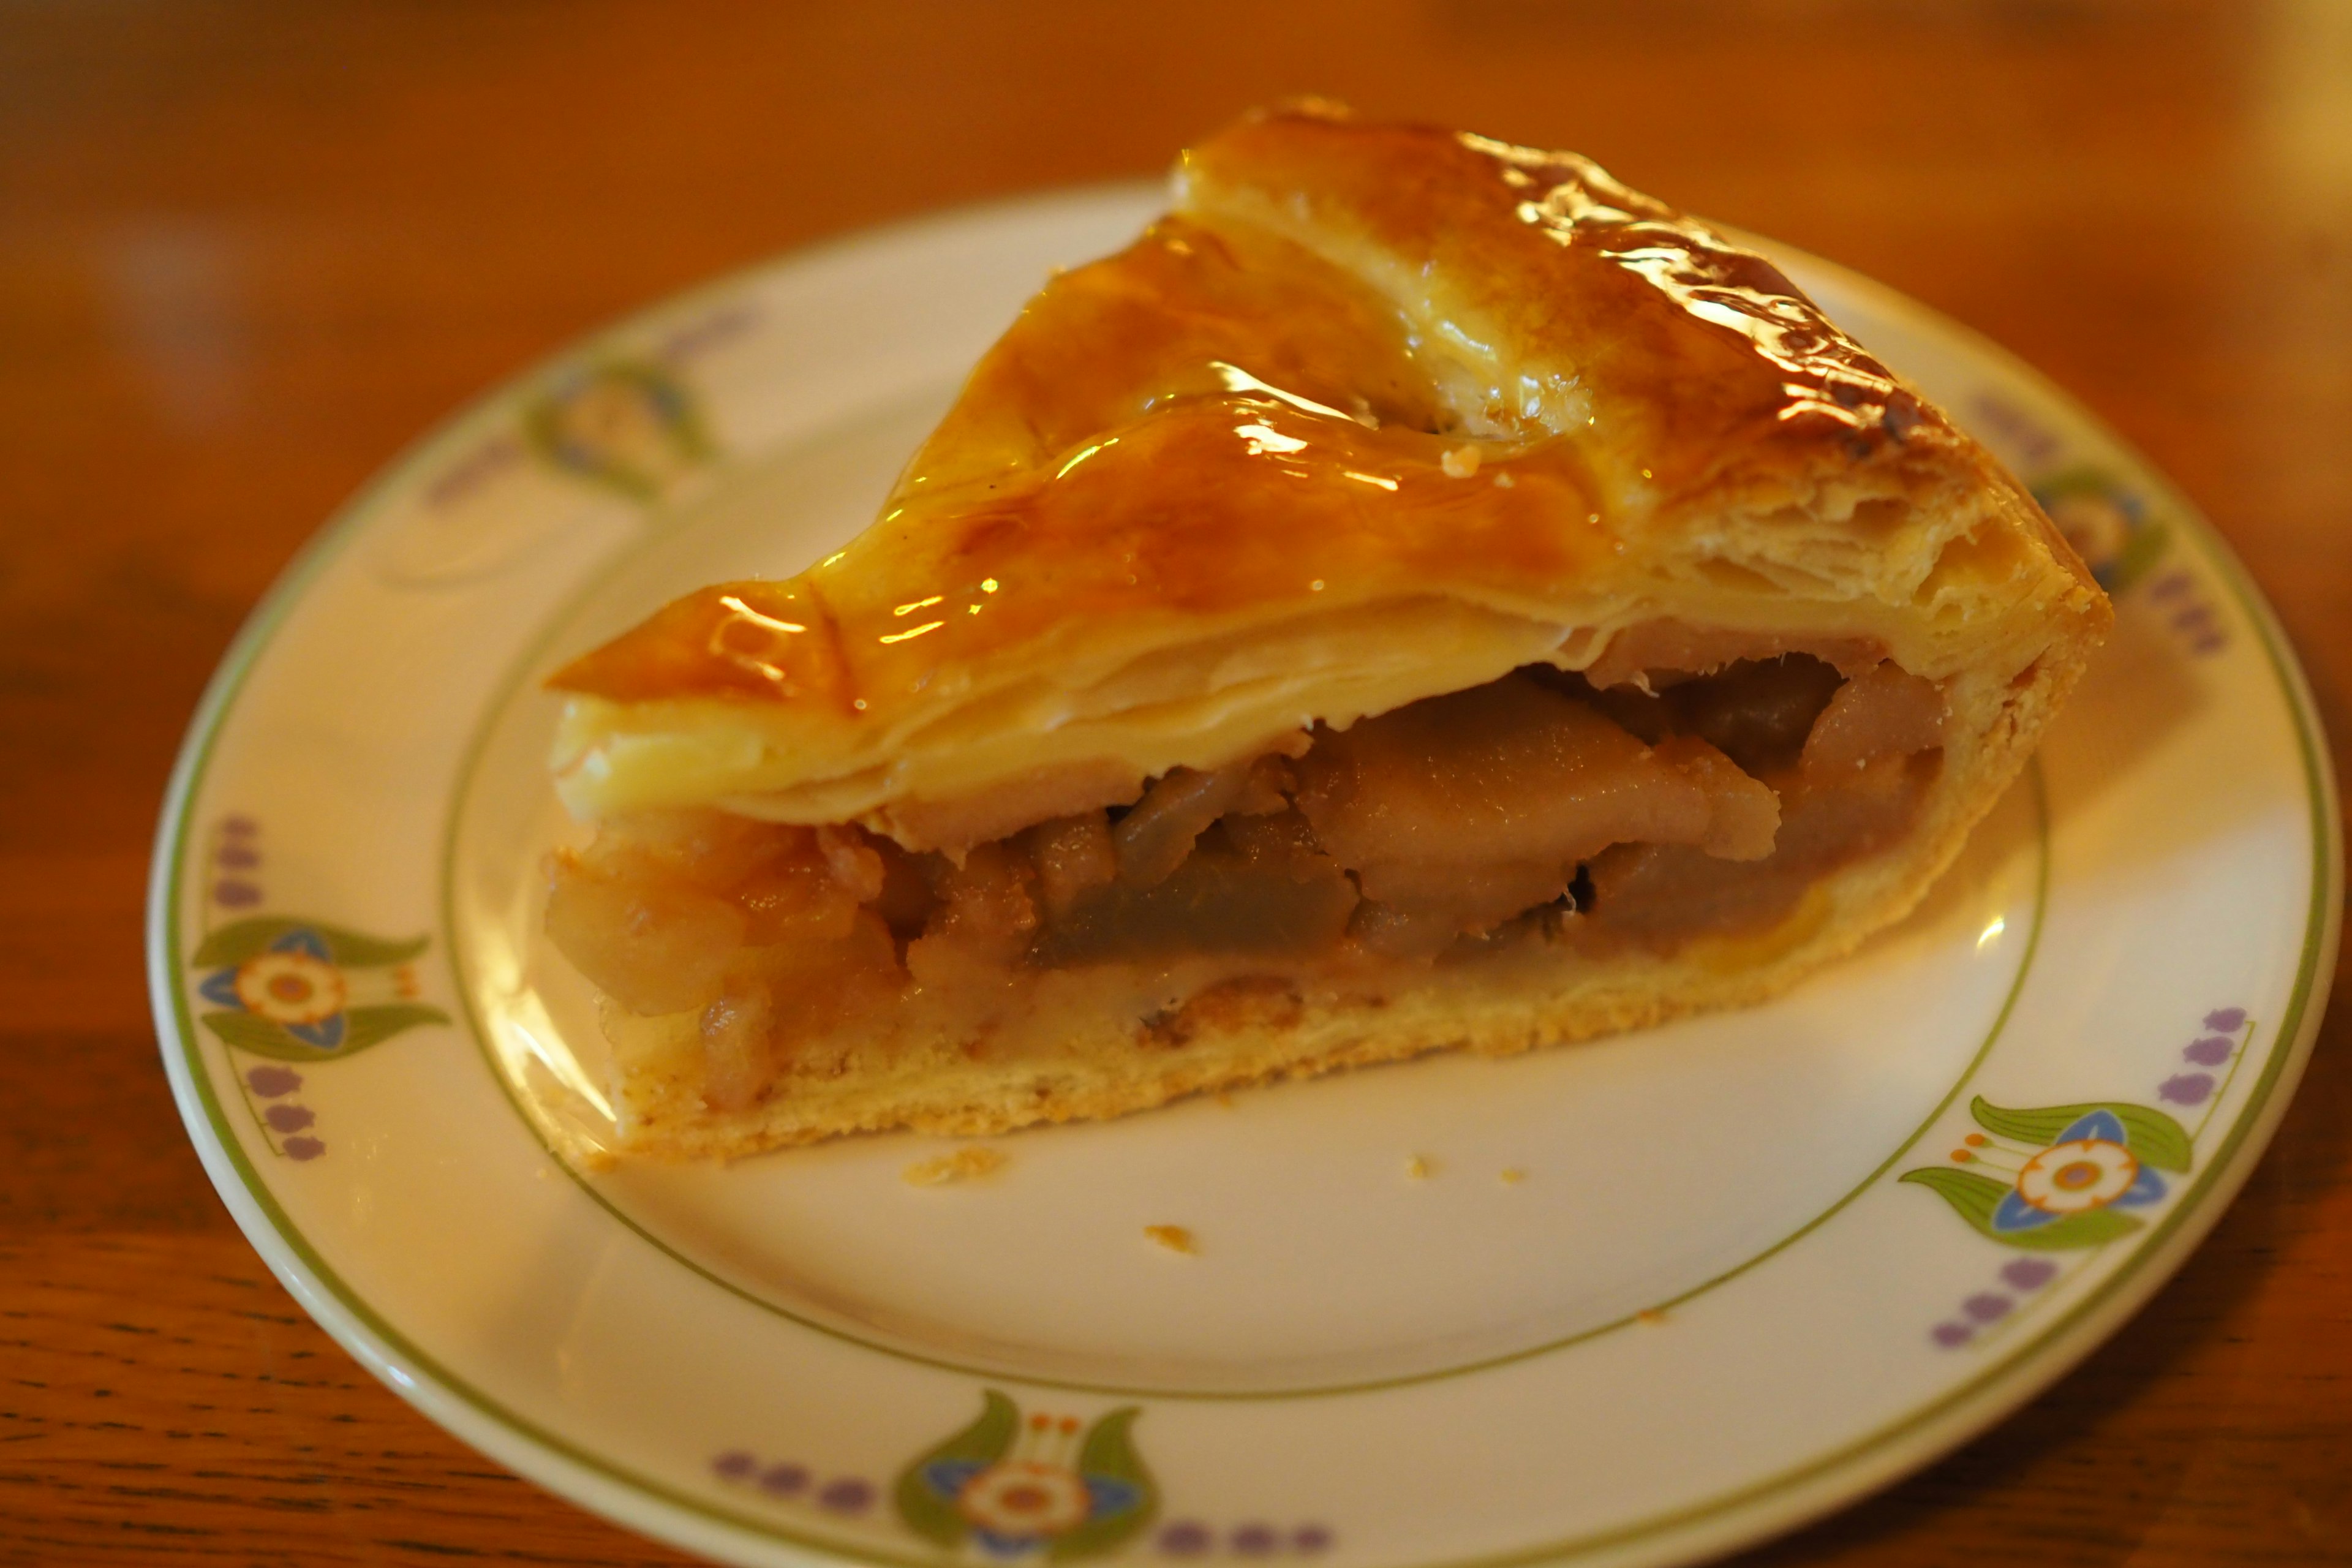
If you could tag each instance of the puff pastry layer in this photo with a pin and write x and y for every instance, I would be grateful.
(1519, 601)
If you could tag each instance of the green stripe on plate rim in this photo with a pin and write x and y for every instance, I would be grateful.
(2030, 1365)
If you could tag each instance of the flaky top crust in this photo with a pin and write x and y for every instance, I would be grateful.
(1367, 382)
(1551, 298)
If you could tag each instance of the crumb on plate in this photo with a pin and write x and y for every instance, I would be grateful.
(1174, 1238)
(1512, 1175)
(956, 1165)
(1420, 1167)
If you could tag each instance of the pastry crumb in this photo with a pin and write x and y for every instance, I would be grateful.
(1460, 462)
(1174, 1238)
(1503, 481)
(1512, 1175)
(1651, 1315)
(1420, 1167)
(1224, 1100)
(957, 1165)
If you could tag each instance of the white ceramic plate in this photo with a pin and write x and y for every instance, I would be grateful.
(1639, 1302)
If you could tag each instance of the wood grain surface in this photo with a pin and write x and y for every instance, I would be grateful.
(247, 252)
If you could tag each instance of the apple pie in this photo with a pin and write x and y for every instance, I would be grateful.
(1420, 593)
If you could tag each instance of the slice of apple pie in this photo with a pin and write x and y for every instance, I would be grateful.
(1420, 593)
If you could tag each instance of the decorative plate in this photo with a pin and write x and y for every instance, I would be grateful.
(1637, 1302)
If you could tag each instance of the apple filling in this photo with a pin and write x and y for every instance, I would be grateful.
(1537, 809)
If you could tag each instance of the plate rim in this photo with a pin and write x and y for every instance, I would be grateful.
(1749, 1512)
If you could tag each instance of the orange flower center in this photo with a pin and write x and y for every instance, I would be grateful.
(1022, 1499)
(289, 988)
(2076, 1176)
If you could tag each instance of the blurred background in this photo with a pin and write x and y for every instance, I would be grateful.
(249, 251)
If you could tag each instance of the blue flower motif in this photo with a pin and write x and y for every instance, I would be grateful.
(628, 424)
(1008, 1486)
(2089, 1165)
(294, 983)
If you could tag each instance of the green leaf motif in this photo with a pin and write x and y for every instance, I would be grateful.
(983, 1442)
(240, 940)
(365, 1026)
(1974, 1198)
(2152, 1137)
(1109, 1452)
(2140, 551)
(251, 1032)
(2094, 1228)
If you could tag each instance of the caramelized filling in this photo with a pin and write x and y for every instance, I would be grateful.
(1538, 808)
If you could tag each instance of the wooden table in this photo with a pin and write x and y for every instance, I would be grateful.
(247, 252)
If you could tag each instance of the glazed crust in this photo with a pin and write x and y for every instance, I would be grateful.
(1378, 413)
(1103, 564)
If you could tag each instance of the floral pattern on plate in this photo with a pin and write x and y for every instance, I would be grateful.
(625, 423)
(2079, 1166)
(1010, 1486)
(1013, 1486)
(290, 990)
(2107, 1157)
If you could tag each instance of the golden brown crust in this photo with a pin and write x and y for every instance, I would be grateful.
(1378, 413)
(1700, 358)
(1192, 477)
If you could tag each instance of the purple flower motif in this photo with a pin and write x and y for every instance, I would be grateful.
(1185, 1538)
(235, 857)
(235, 895)
(271, 1082)
(847, 1495)
(1985, 1306)
(1949, 1335)
(2228, 1019)
(303, 1148)
(2211, 1051)
(1254, 1540)
(711, 331)
(238, 826)
(784, 1481)
(288, 1118)
(1310, 1539)
(2186, 1088)
(2029, 1273)
(734, 1464)
(468, 473)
